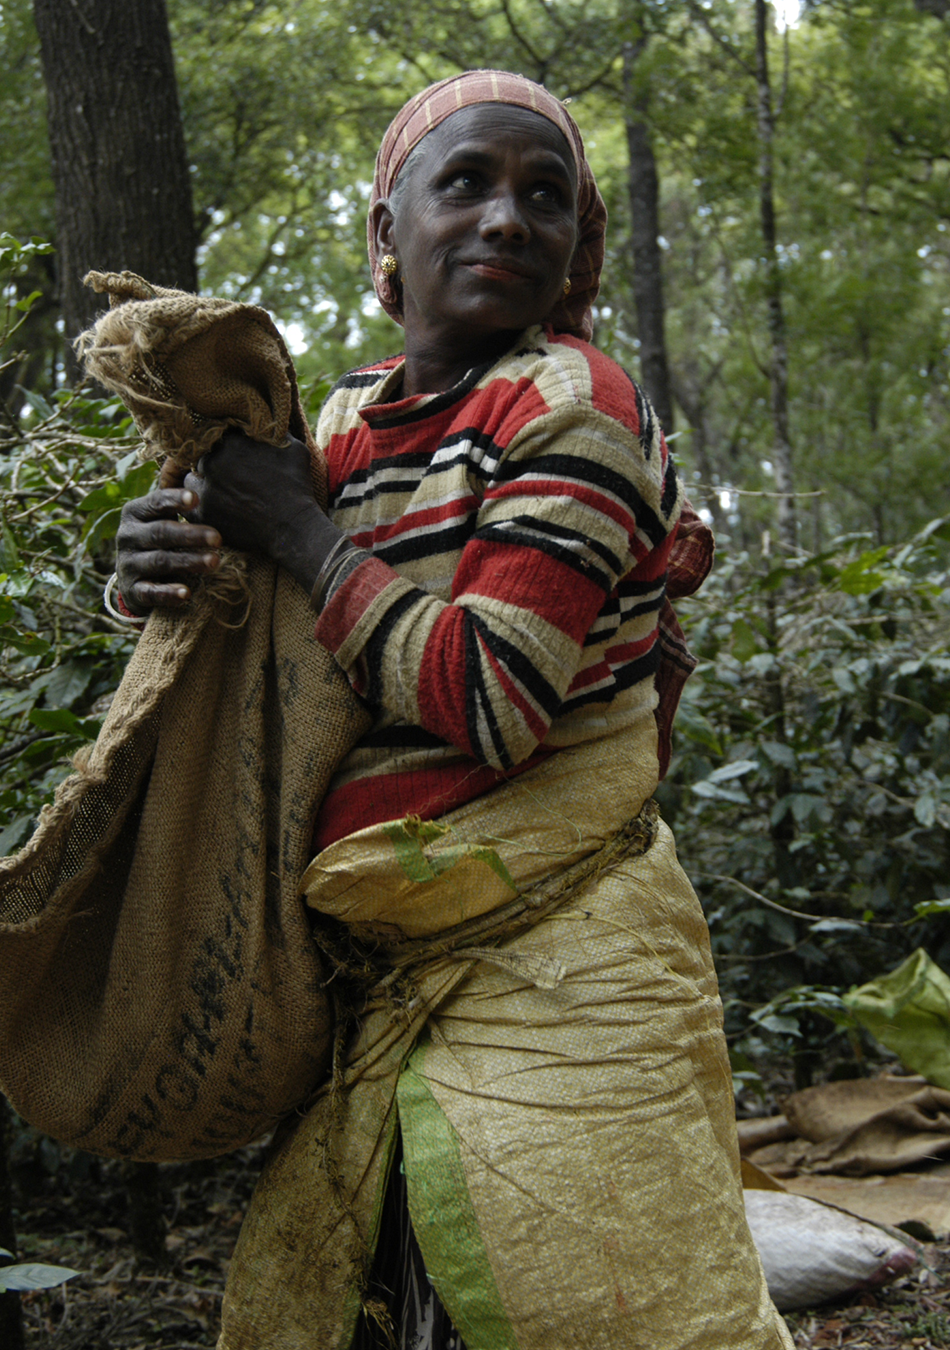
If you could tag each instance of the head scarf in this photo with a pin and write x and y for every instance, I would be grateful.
(431, 107)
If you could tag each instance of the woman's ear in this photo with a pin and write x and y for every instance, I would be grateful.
(382, 221)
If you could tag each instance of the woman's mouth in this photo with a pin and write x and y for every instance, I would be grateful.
(500, 271)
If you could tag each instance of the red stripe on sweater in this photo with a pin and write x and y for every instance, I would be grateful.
(545, 585)
(573, 488)
(427, 793)
(536, 724)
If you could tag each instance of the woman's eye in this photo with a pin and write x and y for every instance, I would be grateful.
(464, 182)
(548, 194)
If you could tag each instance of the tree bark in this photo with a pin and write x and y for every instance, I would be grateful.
(11, 1321)
(123, 191)
(778, 365)
(644, 191)
(146, 1210)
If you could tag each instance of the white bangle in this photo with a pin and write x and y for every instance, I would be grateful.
(110, 608)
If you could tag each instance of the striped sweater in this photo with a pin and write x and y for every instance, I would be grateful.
(520, 526)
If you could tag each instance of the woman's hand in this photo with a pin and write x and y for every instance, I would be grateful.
(159, 557)
(259, 498)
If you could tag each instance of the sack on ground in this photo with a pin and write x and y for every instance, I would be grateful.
(812, 1253)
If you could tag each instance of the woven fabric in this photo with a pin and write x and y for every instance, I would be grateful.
(428, 109)
(159, 993)
(188, 366)
(563, 1092)
(521, 526)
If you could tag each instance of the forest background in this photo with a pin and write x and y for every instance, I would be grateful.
(777, 275)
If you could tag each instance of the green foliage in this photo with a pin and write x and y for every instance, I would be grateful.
(811, 782)
(283, 110)
(811, 785)
(26, 1275)
(66, 464)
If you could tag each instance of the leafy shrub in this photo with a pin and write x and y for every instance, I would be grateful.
(811, 784)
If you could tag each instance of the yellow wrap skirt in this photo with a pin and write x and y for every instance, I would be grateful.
(563, 1092)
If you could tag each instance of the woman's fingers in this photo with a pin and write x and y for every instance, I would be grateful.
(141, 596)
(158, 554)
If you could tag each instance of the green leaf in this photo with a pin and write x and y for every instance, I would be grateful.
(11, 554)
(64, 684)
(928, 908)
(32, 1275)
(56, 719)
(410, 834)
(125, 464)
(698, 728)
(745, 644)
(101, 499)
(715, 792)
(736, 769)
(104, 505)
(37, 402)
(102, 528)
(17, 583)
(13, 835)
(859, 577)
(779, 753)
(925, 809)
(783, 1026)
(27, 643)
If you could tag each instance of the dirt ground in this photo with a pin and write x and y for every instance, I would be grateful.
(77, 1216)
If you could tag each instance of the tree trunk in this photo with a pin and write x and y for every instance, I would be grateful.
(11, 1322)
(778, 365)
(644, 193)
(693, 401)
(123, 191)
(146, 1210)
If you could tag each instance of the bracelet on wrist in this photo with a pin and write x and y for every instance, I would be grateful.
(340, 554)
(123, 615)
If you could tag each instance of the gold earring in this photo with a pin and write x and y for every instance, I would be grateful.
(388, 265)
(567, 286)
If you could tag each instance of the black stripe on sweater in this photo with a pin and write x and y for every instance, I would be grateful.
(376, 644)
(624, 677)
(579, 470)
(475, 680)
(523, 670)
(498, 534)
(438, 404)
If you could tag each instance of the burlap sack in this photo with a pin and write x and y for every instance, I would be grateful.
(861, 1127)
(564, 1096)
(160, 996)
(188, 366)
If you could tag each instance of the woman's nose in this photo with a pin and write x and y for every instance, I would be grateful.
(503, 216)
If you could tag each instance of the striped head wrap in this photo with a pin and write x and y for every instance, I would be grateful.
(432, 106)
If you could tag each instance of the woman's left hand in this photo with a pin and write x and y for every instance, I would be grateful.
(260, 499)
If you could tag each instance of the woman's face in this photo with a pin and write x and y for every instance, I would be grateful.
(485, 227)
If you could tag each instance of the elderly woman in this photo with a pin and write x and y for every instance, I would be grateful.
(529, 1138)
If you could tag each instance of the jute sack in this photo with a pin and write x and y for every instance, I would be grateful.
(160, 996)
(559, 1079)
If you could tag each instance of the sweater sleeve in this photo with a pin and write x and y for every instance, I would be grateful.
(577, 502)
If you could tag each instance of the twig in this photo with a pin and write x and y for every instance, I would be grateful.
(793, 913)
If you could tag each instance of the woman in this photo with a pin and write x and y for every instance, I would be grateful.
(551, 1100)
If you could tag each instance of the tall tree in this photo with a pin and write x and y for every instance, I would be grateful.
(11, 1322)
(123, 193)
(644, 189)
(778, 365)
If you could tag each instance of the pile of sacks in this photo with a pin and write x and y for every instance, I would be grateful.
(831, 1203)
